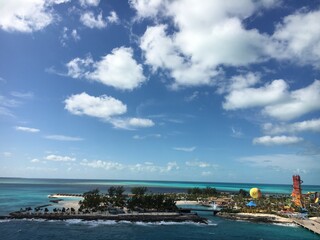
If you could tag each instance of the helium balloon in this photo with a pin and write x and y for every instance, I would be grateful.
(255, 193)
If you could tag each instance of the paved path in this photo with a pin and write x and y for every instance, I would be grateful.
(309, 224)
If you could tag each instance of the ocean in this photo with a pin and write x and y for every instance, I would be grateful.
(16, 193)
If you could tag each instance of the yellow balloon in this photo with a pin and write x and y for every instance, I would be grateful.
(255, 193)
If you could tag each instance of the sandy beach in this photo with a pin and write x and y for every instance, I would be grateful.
(184, 202)
(256, 217)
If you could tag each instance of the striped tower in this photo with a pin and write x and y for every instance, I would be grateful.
(296, 192)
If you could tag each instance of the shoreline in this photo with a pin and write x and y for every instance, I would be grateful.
(255, 217)
(136, 217)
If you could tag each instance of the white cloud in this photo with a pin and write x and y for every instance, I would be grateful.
(139, 137)
(277, 140)
(198, 164)
(58, 158)
(6, 105)
(27, 16)
(276, 100)
(117, 69)
(287, 162)
(102, 107)
(27, 129)
(271, 93)
(25, 95)
(67, 34)
(75, 35)
(161, 53)
(300, 102)
(63, 138)
(79, 68)
(309, 125)
(185, 149)
(298, 38)
(6, 154)
(87, 3)
(131, 123)
(35, 160)
(236, 133)
(139, 167)
(239, 82)
(206, 36)
(113, 17)
(107, 165)
(90, 20)
(146, 8)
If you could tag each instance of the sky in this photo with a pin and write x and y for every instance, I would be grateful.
(213, 91)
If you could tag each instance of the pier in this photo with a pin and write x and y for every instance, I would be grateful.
(311, 225)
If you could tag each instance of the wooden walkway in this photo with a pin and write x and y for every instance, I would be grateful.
(311, 225)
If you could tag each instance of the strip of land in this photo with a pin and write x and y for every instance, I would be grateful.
(134, 217)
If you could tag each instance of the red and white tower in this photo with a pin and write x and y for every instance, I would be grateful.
(296, 192)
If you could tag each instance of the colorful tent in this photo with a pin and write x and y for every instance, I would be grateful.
(251, 204)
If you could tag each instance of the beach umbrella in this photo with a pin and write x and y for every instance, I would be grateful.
(251, 204)
(255, 193)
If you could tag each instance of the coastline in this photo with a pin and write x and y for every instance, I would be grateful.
(255, 217)
(134, 217)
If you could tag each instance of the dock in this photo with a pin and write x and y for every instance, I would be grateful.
(311, 225)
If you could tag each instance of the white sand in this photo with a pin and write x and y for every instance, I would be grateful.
(275, 217)
(184, 202)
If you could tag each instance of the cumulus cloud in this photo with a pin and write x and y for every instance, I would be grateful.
(271, 93)
(27, 16)
(132, 123)
(185, 149)
(113, 17)
(105, 108)
(298, 38)
(300, 102)
(207, 36)
(277, 140)
(57, 158)
(161, 53)
(91, 21)
(102, 107)
(88, 3)
(211, 36)
(27, 129)
(117, 69)
(312, 125)
(63, 138)
(276, 100)
(239, 82)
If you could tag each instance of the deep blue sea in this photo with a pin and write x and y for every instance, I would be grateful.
(17, 192)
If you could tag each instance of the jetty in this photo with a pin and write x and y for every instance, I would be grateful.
(309, 224)
(133, 217)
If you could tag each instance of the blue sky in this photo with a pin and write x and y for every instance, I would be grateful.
(222, 91)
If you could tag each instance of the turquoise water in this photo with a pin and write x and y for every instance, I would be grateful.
(16, 193)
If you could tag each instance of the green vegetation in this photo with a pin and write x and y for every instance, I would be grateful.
(115, 200)
(196, 193)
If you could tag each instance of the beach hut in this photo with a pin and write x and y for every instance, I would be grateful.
(251, 204)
